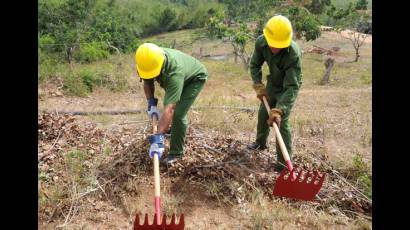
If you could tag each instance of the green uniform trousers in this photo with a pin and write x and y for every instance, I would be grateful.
(180, 117)
(262, 131)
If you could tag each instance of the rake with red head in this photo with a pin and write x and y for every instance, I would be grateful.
(157, 224)
(291, 183)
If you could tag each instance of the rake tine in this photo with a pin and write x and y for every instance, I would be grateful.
(314, 178)
(284, 173)
(146, 219)
(181, 220)
(137, 221)
(300, 171)
(173, 219)
(307, 176)
(164, 219)
(320, 178)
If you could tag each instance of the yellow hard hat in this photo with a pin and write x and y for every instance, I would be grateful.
(149, 59)
(278, 32)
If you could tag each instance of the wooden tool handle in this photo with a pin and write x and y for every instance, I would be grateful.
(279, 138)
(156, 176)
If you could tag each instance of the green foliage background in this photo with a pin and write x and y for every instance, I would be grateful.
(88, 31)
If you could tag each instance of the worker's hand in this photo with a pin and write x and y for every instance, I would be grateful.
(275, 115)
(152, 108)
(260, 90)
(157, 145)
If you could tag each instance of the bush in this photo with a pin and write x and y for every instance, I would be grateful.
(47, 43)
(364, 26)
(215, 28)
(318, 6)
(134, 45)
(362, 175)
(49, 65)
(91, 52)
(74, 85)
(361, 5)
(167, 19)
(304, 23)
(88, 79)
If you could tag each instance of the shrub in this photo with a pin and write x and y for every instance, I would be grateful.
(90, 52)
(361, 5)
(304, 23)
(74, 85)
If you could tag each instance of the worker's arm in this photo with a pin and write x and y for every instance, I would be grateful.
(256, 63)
(166, 118)
(173, 92)
(149, 90)
(291, 85)
(157, 140)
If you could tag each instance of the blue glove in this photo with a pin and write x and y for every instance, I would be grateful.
(152, 108)
(157, 145)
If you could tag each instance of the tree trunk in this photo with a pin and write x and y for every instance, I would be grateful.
(357, 54)
(245, 59)
(235, 52)
(69, 54)
(329, 63)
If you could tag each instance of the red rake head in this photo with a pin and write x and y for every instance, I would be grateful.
(304, 186)
(162, 226)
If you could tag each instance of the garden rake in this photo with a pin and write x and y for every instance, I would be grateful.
(305, 185)
(157, 225)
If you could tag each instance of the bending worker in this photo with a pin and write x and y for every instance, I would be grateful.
(182, 77)
(283, 57)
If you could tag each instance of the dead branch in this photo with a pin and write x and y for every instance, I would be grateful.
(49, 151)
(358, 214)
(114, 48)
(336, 173)
(219, 164)
(212, 149)
(137, 111)
(133, 122)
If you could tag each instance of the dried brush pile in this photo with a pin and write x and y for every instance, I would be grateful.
(220, 163)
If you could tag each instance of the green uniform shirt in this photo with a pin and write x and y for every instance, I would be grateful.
(285, 71)
(178, 71)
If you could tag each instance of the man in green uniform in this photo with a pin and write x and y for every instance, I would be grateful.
(283, 57)
(182, 77)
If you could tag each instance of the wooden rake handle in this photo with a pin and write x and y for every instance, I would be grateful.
(279, 138)
(156, 176)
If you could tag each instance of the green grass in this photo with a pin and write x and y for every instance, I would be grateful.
(115, 74)
(345, 3)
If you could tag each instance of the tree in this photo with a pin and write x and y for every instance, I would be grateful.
(215, 26)
(166, 19)
(352, 23)
(318, 6)
(242, 10)
(339, 13)
(305, 24)
(361, 5)
(238, 36)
